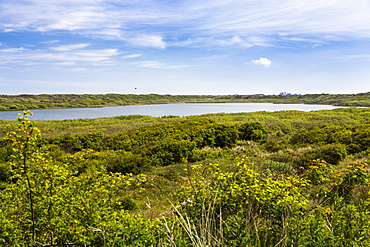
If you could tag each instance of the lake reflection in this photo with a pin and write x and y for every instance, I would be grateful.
(159, 110)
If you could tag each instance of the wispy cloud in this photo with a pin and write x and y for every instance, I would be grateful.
(69, 47)
(66, 63)
(236, 40)
(63, 55)
(131, 56)
(12, 50)
(229, 22)
(81, 55)
(51, 42)
(358, 56)
(155, 41)
(158, 65)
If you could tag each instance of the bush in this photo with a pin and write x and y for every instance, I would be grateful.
(331, 153)
(125, 203)
(360, 139)
(130, 163)
(4, 172)
(239, 208)
(275, 145)
(170, 152)
(252, 131)
(72, 143)
(225, 135)
(49, 204)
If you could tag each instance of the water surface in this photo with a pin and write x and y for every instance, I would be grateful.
(159, 110)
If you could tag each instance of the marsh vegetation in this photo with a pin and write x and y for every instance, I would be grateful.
(286, 178)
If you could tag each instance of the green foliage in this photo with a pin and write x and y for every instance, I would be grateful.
(4, 173)
(331, 153)
(360, 138)
(242, 199)
(274, 145)
(306, 182)
(357, 137)
(318, 172)
(126, 203)
(354, 174)
(253, 131)
(244, 207)
(225, 135)
(48, 204)
(128, 163)
(77, 142)
(341, 217)
(170, 152)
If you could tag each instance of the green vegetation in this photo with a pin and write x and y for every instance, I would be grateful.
(43, 101)
(285, 178)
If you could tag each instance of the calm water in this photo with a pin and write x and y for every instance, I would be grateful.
(159, 110)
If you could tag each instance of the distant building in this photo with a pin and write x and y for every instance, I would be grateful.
(289, 94)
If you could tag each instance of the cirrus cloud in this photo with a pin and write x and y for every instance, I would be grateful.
(58, 55)
(154, 41)
(69, 47)
(149, 23)
(158, 65)
(131, 56)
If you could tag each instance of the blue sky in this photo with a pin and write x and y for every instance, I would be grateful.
(184, 46)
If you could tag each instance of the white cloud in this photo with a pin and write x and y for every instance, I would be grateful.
(131, 56)
(78, 69)
(154, 41)
(226, 22)
(66, 63)
(360, 56)
(51, 42)
(64, 56)
(86, 55)
(262, 61)
(69, 47)
(158, 65)
(11, 50)
(236, 40)
(187, 42)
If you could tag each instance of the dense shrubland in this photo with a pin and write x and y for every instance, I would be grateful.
(286, 178)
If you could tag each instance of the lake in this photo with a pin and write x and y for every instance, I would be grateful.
(159, 110)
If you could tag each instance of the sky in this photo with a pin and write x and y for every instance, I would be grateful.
(197, 47)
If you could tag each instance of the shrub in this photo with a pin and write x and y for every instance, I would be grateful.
(129, 163)
(168, 151)
(77, 142)
(225, 135)
(125, 203)
(241, 207)
(49, 204)
(360, 139)
(275, 145)
(252, 131)
(331, 153)
(5, 173)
